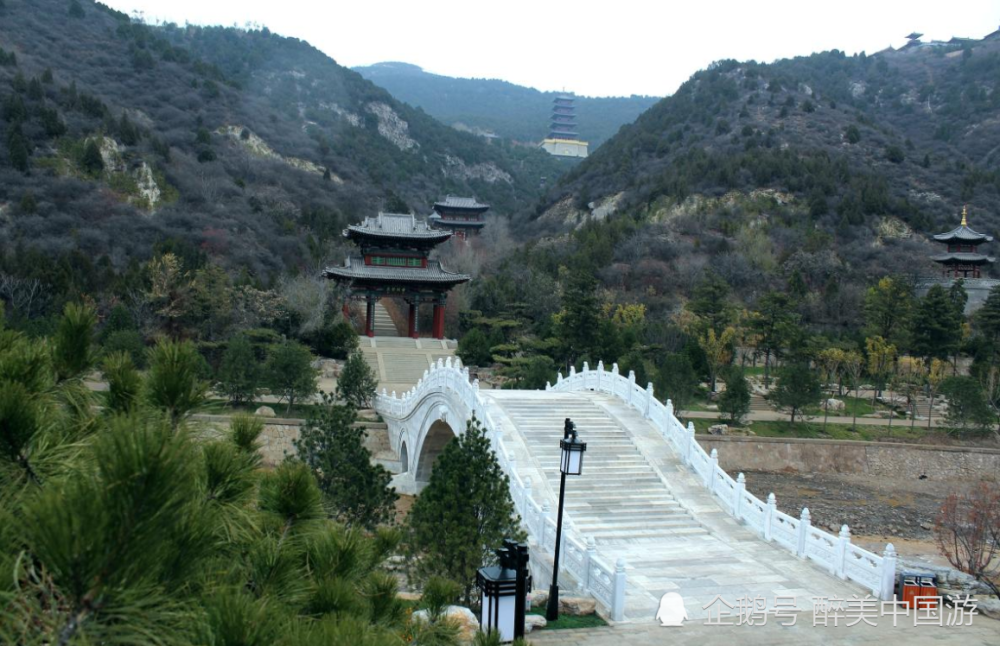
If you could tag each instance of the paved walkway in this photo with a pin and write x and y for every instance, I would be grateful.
(710, 554)
(777, 416)
(400, 362)
(982, 632)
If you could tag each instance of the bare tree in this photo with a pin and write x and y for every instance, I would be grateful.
(20, 293)
(968, 533)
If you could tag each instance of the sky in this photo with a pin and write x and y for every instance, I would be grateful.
(612, 48)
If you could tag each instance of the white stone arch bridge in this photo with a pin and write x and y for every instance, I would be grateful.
(652, 512)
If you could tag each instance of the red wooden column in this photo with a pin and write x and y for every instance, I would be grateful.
(413, 331)
(438, 320)
(370, 317)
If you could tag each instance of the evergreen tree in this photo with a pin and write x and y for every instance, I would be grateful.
(773, 323)
(174, 383)
(987, 321)
(797, 388)
(18, 150)
(239, 372)
(967, 406)
(92, 162)
(128, 133)
(357, 382)
(937, 325)
(75, 9)
(676, 379)
(464, 513)
(356, 491)
(888, 310)
(710, 301)
(579, 320)
(289, 373)
(74, 350)
(124, 382)
(474, 348)
(28, 204)
(734, 401)
(47, 75)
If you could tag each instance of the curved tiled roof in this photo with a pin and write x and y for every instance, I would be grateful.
(354, 268)
(396, 225)
(964, 234)
(963, 258)
(453, 202)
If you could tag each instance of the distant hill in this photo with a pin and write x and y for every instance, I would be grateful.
(243, 145)
(842, 164)
(507, 110)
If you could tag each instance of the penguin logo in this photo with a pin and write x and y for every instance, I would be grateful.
(671, 611)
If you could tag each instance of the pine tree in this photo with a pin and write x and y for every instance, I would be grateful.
(734, 401)
(356, 491)
(357, 382)
(797, 388)
(937, 325)
(174, 383)
(288, 372)
(239, 373)
(92, 162)
(578, 320)
(464, 513)
(710, 301)
(18, 149)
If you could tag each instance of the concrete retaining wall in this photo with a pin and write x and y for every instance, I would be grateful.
(843, 456)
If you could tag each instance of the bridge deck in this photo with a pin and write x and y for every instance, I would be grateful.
(639, 502)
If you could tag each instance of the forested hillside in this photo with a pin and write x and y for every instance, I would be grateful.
(121, 140)
(505, 109)
(773, 204)
(833, 166)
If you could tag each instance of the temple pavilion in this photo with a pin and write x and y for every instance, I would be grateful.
(963, 260)
(462, 215)
(393, 261)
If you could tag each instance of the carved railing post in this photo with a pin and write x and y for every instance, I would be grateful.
(689, 442)
(600, 374)
(888, 572)
(844, 539)
(741, 487)
(631, 385)
(805, 522)
(772, 506)
(618, 598)
(587, 560)
(713, 467)
(649, 399)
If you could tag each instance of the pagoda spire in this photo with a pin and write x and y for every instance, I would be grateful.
(965, 213)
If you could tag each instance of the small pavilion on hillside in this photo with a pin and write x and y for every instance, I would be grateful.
(464, 216)
(394, 261)
(962, 259)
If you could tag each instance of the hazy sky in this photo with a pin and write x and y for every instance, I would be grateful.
(606, 48)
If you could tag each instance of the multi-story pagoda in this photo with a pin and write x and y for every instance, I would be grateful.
(463, 216)
(393, 261)
(963, 259)
(563, 140)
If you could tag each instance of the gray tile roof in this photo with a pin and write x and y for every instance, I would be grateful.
(454, 202)
(354, 268)
(394, 225)
(963, 258)
(965, 234)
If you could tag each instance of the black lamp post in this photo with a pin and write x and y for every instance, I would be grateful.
(570, 463)
(504, 588)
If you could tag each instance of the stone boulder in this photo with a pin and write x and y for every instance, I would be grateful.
(988, 606)
(718, 429)
(835, 405)
(538, 598)
(533, 621)
(264, 411)
(468, 624)
(577, 606)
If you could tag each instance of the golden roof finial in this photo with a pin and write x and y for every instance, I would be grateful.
(965, 215)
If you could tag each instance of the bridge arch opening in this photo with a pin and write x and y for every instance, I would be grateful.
(438, 435)
(404, 462)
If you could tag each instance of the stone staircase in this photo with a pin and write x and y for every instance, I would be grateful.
(622, 497)
(384, 325)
